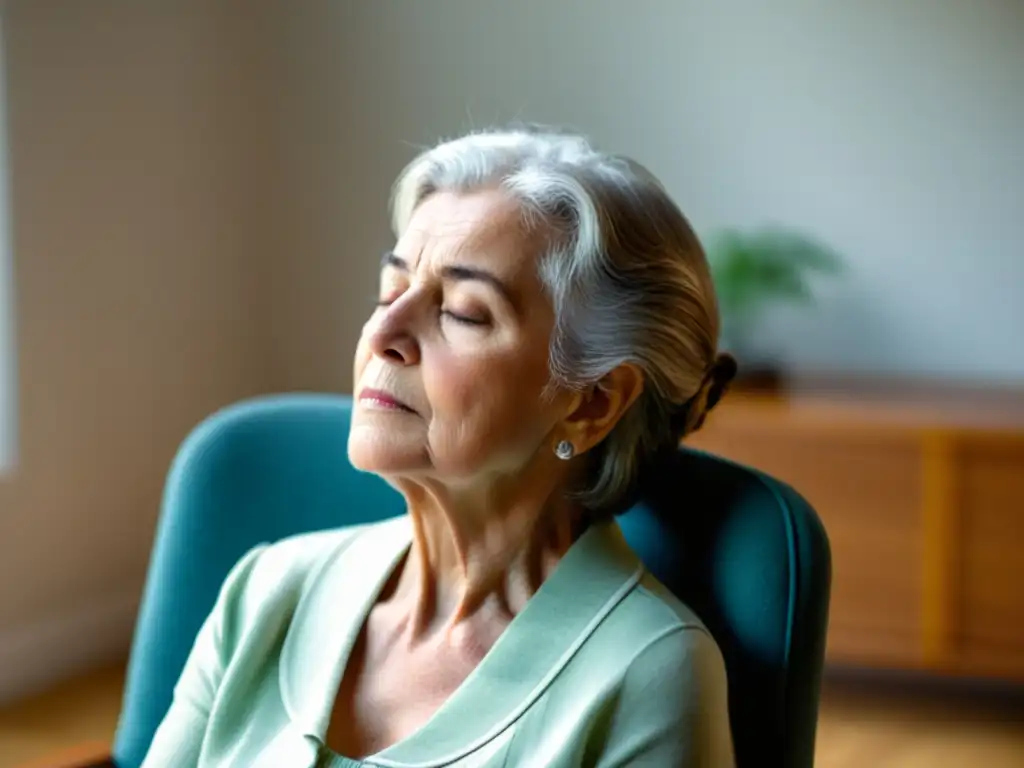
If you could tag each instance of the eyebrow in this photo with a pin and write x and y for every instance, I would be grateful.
(454, 272)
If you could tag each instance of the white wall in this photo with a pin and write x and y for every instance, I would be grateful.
(139, 247)
(892, 130)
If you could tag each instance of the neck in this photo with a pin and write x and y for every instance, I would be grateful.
(479, 555)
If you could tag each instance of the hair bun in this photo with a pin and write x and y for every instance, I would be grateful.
(689, 416)
(722, 373)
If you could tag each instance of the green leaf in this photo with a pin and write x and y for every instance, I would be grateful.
(753, 269)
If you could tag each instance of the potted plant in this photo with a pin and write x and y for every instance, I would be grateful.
(752, 270)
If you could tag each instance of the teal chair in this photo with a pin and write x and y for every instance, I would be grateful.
(746, 552)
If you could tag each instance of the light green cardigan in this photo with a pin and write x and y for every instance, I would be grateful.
(603, 667)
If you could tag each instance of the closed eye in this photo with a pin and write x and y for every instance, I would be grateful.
(464, 319)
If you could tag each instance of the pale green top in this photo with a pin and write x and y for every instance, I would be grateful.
(602, 667)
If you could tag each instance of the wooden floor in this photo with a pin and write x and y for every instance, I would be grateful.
(82, 711)
(863, 725)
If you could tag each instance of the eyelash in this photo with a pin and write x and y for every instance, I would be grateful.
(457, 318)
(463, 319)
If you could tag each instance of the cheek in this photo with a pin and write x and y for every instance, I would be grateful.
(453, 386)
(470, 385)
(486, 400)
(359, 361)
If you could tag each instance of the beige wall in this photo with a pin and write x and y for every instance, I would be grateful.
(140, 234)
(8, 405)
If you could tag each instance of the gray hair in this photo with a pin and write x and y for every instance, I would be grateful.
(626, 275)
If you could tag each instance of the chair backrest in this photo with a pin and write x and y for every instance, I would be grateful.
(743, 550)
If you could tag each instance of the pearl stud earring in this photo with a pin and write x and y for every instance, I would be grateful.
(565, 450)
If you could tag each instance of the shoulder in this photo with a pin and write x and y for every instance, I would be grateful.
(289, 561)
(295, 557)
(667, 636)
(273, 577)
(653, 597)
(672, 693)
(650, 611)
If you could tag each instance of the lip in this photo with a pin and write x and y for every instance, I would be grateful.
(380, 399)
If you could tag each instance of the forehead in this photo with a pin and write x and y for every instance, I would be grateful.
(485, 228)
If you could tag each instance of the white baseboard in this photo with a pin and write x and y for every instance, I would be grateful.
(40, 654)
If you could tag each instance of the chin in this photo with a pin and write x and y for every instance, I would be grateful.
(370, 450)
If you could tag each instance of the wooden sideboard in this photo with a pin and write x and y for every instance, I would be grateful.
(923, 500)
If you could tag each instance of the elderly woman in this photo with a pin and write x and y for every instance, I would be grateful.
(546, 328)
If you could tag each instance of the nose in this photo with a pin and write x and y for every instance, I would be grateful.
(393, 339)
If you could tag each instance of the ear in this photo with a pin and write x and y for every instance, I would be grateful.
(595, 411)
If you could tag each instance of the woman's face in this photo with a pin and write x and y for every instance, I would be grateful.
(451, 367)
